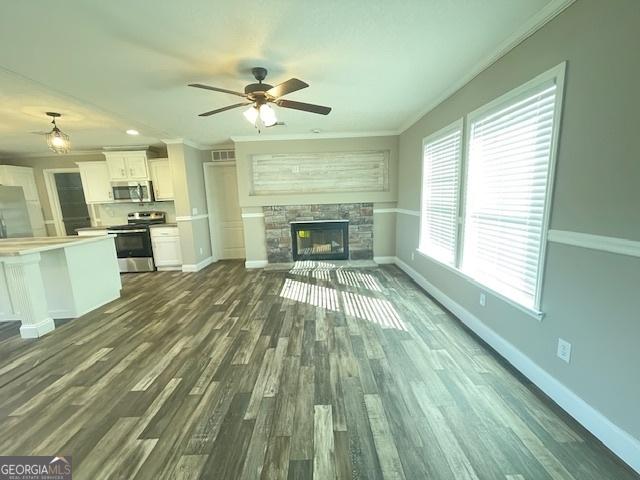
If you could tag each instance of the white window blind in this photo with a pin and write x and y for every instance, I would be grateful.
(440, 183)
(506, 191)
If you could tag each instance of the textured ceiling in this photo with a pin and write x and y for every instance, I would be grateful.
(109, 66)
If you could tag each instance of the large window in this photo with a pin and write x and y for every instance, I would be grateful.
(440, 180)
(506, 191)
(505, 196)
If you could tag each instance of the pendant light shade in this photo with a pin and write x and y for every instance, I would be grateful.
(267, 115)
(264, 113)
(251, 114)
(57, 140)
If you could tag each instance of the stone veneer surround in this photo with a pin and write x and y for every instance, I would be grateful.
(277, 223)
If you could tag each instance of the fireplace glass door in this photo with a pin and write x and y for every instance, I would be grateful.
(320, 240)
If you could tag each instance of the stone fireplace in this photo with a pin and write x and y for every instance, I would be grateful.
(279, 221)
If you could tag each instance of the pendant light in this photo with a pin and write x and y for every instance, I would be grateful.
(57, 140)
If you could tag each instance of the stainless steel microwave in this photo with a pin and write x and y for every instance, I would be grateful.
(138, 192)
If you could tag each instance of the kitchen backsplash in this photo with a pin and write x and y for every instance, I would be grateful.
(116, 213)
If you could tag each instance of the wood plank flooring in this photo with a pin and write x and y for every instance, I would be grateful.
(313, 373)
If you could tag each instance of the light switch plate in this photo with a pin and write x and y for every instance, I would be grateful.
(564, 350)
(194, 211)
(483, 299)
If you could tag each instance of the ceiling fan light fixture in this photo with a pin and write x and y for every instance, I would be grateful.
(268, 115)
(57, 140)
(251, 114)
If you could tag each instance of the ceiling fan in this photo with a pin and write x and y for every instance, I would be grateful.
(260, 95)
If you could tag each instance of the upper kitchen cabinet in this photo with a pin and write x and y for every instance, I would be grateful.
(161, 179)
(14, 176)
(125, 166)
(95, 182)
(20, 177)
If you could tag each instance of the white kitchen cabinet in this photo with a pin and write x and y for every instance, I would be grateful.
(20, 177)
(165, 242)
(123, 166)
(95, 182)
(137, 167)
(24, 177)
(161, 179)
(117, 167)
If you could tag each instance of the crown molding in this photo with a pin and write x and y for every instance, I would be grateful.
(49, 154)
(126, 148)
(313, 136)
(531, 26)
(186, 141)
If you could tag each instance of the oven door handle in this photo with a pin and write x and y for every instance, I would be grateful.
(141, 230)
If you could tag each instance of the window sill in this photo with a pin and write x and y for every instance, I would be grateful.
(537, 314)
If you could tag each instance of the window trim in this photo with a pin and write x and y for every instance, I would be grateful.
(557, 75)
(443, 132)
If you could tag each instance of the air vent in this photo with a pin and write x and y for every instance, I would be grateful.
(223, 155)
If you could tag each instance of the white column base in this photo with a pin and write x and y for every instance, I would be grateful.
(27, 294)
(37, 330)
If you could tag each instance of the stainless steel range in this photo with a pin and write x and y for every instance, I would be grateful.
(133, 241)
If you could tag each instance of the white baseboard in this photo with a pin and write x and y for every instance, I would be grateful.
(255, 263)
(616, 439)
(198, 266)
(37, 330)
(170, 269)
(384, 260)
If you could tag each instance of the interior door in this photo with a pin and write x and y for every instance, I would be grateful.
(225, 217)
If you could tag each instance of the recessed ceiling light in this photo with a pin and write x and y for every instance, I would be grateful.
(131, 131)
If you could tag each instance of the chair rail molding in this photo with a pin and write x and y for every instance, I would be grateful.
(621, 246)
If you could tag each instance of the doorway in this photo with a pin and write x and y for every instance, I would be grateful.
(225, 215)
(66, 196)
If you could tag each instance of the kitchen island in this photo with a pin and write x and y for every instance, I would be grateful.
(42, 279)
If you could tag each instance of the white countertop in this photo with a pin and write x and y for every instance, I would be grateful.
(11, 247)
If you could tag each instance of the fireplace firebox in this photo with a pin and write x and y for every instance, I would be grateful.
(320, 240)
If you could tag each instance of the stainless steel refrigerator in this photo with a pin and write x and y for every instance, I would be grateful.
(14, 216)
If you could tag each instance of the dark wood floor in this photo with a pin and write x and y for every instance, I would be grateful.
(313, 373)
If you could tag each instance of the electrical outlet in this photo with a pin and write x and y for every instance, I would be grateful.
(413, 255)
(194, 211)
(564, 350)
(201, 251)
(483, 299)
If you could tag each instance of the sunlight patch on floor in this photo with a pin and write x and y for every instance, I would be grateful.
(374, 310)
(312, 294)
(358, 279)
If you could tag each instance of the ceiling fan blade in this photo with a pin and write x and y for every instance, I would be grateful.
(305, 107)
(216, 89)
(291, 85)
(223, 109)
